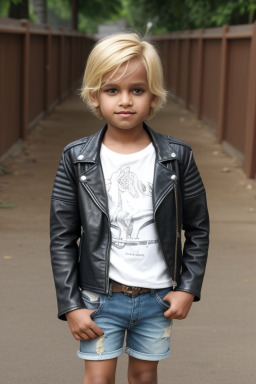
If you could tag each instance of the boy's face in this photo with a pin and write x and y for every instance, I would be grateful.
(124, 98)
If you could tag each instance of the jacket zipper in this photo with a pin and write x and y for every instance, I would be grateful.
(174, 282)
(108, 248)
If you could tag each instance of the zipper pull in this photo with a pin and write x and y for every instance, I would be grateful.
(174, 284)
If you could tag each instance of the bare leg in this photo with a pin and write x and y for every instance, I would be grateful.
(100, 371)
(142, 371)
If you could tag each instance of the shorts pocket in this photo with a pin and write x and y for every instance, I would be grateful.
(94, 301)
(159, 295)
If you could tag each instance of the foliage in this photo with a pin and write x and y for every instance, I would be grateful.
(95, 12)
(171, 15)
(90, 12)
(60, 8)
(4, 6)
(166, 15)
(235, 12)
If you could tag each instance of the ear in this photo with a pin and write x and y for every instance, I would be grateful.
(154, 101)
(94, 100)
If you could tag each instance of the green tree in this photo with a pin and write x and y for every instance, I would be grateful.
(86, 14)
(82, 14)
(18, 9)
(171, 15)
(166, 15)
(94, 12)
(4, 5)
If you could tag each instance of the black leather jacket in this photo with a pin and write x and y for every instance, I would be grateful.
(80, 227)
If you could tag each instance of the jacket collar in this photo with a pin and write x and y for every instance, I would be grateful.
(90, 152)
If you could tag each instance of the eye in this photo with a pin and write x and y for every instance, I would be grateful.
(137, 91)
(112, 91)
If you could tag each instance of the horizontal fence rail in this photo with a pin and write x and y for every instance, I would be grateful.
(213, 73)
(39, 66)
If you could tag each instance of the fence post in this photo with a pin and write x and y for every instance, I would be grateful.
(200, 76)
(177, 66)
(250, 133)
(25, 85)
(169, 60)
(61, 61)
(72, 62)
(223, 85)
(48, 68)
(187, 72)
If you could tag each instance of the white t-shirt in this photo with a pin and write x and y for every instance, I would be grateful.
(135, 257)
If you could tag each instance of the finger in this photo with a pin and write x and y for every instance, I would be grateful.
(77, 336)
(88, 334)
(174, 315)
(96, 329)
(169, 313)
(94, 326)
(167, 298)
(90, 331)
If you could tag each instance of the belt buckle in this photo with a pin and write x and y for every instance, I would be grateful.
(131, 290)
(127, 289)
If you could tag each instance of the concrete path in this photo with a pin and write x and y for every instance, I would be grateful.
(215, 344)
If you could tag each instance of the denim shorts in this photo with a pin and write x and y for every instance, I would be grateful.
(135, 324)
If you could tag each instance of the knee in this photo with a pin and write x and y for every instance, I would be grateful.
(146, 377)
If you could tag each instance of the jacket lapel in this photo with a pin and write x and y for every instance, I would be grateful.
(96, 183)
(164, 177)
(92, 176)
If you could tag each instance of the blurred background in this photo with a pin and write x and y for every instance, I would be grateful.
(207, 47)
(165, 15)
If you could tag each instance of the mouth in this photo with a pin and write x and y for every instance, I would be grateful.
(125, 113)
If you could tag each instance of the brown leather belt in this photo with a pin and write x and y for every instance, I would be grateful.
(134, 291)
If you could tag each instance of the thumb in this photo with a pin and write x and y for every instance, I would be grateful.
(90, 311)
(167, 298)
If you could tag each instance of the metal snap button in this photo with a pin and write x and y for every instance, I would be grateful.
(173, 154)
(83, 178)
(173, 177)
(80, 157)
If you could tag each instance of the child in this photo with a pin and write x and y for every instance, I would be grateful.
(126, 193)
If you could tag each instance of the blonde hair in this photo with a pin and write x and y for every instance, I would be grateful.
(110, 53)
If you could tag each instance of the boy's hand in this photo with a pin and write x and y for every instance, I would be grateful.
(180, 304)
(82, 326)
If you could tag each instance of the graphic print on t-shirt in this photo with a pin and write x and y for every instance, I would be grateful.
(127, 192)
(136, 257)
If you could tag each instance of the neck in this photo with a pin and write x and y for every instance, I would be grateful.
(126, 140)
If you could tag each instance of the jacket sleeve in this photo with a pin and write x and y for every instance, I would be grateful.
(196, 230)
(65, 230)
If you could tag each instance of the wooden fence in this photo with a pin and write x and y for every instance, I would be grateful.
(213, 73)
(39, 66)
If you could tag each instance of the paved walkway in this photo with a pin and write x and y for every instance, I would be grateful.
(215, 344)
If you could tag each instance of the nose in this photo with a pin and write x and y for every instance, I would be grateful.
(125, 99)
